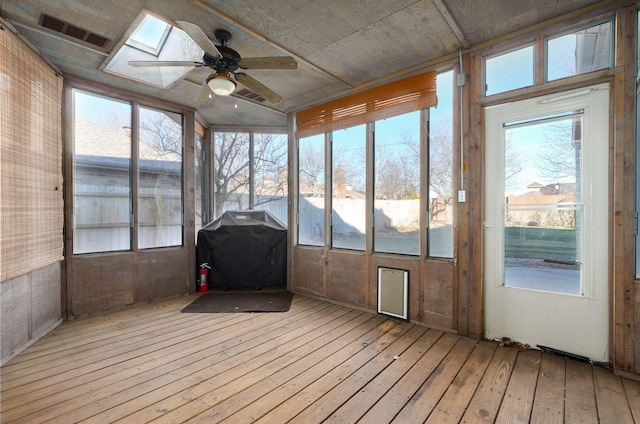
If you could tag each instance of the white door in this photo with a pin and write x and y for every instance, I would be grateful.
(546, 222)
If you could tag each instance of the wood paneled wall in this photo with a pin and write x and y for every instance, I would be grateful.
(30, 307)
(104, 282)
(449, 295)
(350, 278)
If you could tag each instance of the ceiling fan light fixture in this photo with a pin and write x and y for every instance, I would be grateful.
(221, 85)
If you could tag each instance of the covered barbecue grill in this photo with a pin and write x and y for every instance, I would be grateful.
(245, 249)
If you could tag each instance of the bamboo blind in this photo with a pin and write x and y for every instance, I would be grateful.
(31, 202)
(396, 98)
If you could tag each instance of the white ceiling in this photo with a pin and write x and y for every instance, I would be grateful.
(339, 45)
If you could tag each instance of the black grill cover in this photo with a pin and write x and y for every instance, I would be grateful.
(245, 249)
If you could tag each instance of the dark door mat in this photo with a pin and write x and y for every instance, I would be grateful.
(219, 302)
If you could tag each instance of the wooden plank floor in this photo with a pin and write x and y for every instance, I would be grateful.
(319, 362)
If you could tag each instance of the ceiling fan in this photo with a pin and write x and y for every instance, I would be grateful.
(225, 62)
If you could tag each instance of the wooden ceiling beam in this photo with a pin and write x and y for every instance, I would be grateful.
(452, 23)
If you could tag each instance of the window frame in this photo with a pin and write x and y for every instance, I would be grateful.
(134, 182)
(322, 139)
(138, 168)
(74, 165)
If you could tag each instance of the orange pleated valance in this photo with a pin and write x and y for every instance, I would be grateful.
(396, 98)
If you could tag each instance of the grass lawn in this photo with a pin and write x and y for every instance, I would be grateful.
(540, 243)
(440, 242)
(520, 242)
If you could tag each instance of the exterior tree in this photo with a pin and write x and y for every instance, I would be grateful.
(230, 170)
(440, 168)
(398, 169)
(560, 157)
(159, 130)
(311, 164)
(270, 167)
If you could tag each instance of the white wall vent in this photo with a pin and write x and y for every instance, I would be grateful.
(392, 292)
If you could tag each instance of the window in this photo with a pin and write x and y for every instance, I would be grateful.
(508, 71)
(270, 174)
(397, 184)
(311, 190)
(440, 240)
(231, 171)
(348, 203)
(576, 52)
(101, 174)
(160, 179)
(581, 51)
(250, 172)
(102, 166)
(396, 166)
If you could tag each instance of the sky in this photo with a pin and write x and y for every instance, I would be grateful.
(150, 32)
(530, 148)
(97, 109)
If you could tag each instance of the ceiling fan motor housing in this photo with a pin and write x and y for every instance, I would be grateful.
(228, 63)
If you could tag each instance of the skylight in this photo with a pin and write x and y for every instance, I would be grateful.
(150, 35)
(153, 39)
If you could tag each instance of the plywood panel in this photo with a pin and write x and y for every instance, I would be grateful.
(512, 16)
(347, 277)
(29, 307)
(45, 299)
(636, 329)
(14, 315)
(162, 274)
(100, 283)
(437, 300)
(308, 271)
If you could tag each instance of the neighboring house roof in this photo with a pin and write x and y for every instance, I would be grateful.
(96, 140)
(550, 189)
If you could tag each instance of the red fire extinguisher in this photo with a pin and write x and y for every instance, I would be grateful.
(203, 285)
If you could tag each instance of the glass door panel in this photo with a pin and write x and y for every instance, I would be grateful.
(543, 204)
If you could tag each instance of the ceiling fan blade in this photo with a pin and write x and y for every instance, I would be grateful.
(199, 37)
(149, 63)
(275, 62)
(204, 95)
(258, 88)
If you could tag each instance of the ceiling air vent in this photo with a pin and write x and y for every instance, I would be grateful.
(250, 95)
(66, 28)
